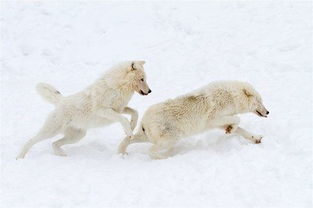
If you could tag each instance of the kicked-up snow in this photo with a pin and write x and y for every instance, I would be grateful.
(185, 45)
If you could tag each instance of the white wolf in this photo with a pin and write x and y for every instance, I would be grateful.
(100, 104)
(213, 106)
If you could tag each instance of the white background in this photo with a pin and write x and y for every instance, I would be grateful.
(186, 45)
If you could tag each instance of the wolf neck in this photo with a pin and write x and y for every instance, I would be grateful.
(120, 86)
(240, 104)
(123, 90)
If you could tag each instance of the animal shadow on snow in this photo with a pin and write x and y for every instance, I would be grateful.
(90, 150)
(213, 142)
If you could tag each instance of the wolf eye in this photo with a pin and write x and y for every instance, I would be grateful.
(142, 80)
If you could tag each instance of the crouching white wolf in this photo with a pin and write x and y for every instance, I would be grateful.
(100, 104)
(213, 106)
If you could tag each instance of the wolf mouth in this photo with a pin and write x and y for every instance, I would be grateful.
(260, 114)
(142, 93)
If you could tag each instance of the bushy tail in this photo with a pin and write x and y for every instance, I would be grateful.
(49, 93)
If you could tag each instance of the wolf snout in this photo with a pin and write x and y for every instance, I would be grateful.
(266, 113)
(262, 114)
(144, 93)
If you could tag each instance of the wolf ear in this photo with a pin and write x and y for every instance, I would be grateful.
(247, 93)
(133, 66)
(141, 62)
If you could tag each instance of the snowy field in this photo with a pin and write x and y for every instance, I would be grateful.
(185, 45)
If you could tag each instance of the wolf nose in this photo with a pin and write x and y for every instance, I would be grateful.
(267, 112)
(149, 91)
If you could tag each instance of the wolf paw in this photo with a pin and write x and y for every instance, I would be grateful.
(58, 151)
(122, 150)
(228, 129)
(123, 153)
(231, 128)
(257, 139)
(19, 157)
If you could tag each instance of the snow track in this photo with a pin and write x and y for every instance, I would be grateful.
(185, 45)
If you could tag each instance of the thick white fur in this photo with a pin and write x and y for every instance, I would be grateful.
(213, 106)
(102, 103)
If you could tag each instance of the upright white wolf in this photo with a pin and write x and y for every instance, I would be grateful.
(100, 104)
(213, 106)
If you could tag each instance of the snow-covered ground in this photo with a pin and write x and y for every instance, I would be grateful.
(186, 45)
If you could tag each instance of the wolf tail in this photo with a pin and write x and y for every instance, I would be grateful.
(49, 93)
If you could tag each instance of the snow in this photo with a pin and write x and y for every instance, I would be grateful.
(186, 45)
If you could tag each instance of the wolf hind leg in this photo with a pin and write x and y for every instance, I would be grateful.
(50, 129)
(162, 150)
(71, 136)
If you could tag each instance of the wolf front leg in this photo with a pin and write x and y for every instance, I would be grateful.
(134, 116)
(139, 137)
(117, 117)
(247, 135)
(228, 123)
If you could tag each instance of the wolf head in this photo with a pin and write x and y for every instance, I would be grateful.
(128, 75)
(137, 77)
(251, 101)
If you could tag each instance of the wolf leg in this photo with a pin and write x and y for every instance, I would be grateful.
(139, 137)
(134, 116)
(247, 135)
(115, 116)
(50, 129)
(161, 150)
(229, 123)
(71, 136)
